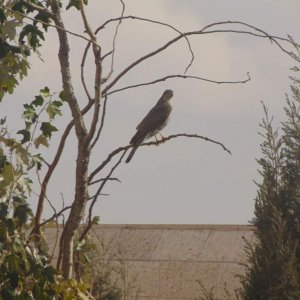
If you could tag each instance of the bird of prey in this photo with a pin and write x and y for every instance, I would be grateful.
(153, 123)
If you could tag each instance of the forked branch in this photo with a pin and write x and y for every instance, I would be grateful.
(170, 137)
(261, 34)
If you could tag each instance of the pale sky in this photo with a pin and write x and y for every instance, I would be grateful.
(184, 181)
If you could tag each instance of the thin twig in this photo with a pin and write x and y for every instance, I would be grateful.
(38, 7)
(95, 197)
(54, 216)
(106, 54)
(114, 42)
(102, 179)
(189, 136)
(47, 177)
(180, 76)
(52, 167)
(106, 161)
(82, 73)
(102, 122)
(155, 22)
(202, 31)
(85, 21)
(289, 53)
(125, 148)
(98, 75)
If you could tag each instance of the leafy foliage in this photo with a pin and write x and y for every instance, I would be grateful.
(24, 273)
(25, 270)
(274, 269)
(33, 114)
(17, 39)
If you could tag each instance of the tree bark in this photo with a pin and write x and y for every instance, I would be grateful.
(77, 210)
(83, 152)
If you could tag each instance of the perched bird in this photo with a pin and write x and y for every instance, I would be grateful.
(153, 123)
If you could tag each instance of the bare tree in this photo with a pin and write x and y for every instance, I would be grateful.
(88, 132)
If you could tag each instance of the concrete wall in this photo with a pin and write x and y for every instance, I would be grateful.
(169, 261)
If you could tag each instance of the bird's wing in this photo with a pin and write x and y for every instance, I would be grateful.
(158, 115)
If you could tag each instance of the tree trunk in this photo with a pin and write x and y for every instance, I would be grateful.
(77, 210)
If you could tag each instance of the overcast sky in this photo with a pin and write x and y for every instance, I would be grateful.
(184, 180)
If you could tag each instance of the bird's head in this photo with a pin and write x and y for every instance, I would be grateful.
(168, 94)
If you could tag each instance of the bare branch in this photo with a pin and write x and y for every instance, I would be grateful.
(97, 97)
(85, 21)
(263, 34)
(114, 42)
(98, 194)
(102, 179)
(95, 197)
(51, 169)
(64, 60)
(102, 122)
(47, 177)
(188, 135)
(272, 39)
(155, 22)
(180, 76)
(98, 75)
(93, 37)
(106, 161)
(106, 55)
(125, 148)
(82, 72)
(55, 215)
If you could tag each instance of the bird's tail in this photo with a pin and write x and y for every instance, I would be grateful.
(131, 154)
(137, 139)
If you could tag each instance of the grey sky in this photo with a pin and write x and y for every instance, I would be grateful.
(182, 181)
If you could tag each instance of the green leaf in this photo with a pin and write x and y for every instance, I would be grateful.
(39, 100)
(47, 129)
(22, 213)
(13, 279)
(76, 4)
(26, 135)
(36, 161)
(45, 92)
(2, 16)
(12, 262)
(24, 183)
(44, 18)
(62, 96)
(19, 6)
(49, 273)
(33, 35)
(73, 3)
(2, 121)
(6, 178)
(9, 29)
(41, 140)
(29, 114)
(19, 200)
(10, 225)
(21, 153)
(96, 220)
(3, 210)
(36, 292)
(53, 109)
